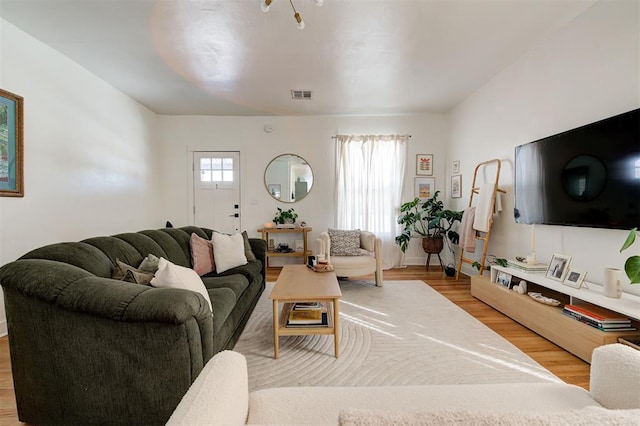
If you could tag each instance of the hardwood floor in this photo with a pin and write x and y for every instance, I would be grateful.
(561, 363)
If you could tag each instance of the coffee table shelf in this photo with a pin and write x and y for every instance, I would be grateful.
(299, 330)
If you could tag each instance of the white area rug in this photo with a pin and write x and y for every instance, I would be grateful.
(404, 333)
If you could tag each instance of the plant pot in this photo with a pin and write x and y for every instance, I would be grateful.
(432, 245)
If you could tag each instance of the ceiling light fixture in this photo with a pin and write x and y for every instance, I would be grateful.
(266, 4)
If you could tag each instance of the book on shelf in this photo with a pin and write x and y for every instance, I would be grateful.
(321, 322)
(299, 306)
(604, 326)
(596, 313)
(526, 267)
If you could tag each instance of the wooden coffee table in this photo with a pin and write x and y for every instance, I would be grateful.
(298, 283)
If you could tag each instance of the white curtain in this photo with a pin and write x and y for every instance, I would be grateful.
(369, 181)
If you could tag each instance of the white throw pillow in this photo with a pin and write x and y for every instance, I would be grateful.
(228, 251)
(174, 276)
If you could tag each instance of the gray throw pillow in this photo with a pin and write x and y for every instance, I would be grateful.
(149, 264)
(248, 253)
(345, 243)
(128, 273)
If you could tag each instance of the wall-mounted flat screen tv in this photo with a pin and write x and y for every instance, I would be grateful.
(589, 176)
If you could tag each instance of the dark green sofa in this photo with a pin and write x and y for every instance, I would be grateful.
(87, 349)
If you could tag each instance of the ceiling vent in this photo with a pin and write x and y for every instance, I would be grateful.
(301, 94)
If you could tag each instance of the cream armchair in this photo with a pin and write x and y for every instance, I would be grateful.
(355, 266)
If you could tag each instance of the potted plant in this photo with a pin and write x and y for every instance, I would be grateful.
(429, 220)
(285, 216)
(632, 265)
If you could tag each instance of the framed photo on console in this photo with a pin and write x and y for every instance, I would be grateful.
(504, 279)
(575, 279)
(558, 267)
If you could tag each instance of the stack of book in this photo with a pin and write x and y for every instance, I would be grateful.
(599, 318)
(536, 268)
(308, 314)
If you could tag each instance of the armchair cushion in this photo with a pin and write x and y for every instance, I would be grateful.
(345, 243)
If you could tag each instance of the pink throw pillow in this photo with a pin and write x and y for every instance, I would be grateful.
(202, 255)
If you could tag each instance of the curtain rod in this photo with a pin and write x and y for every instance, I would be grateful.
(334, 137)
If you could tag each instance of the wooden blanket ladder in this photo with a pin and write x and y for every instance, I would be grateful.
(475, 190)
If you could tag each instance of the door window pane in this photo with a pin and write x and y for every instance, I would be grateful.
(216, 170)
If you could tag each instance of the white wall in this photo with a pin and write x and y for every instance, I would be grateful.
(89, 164)
(309, 137)
(584, 72)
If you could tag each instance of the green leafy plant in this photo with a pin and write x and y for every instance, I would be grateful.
(498, 261)
(426, 219)
(632, 265)
(282, 216)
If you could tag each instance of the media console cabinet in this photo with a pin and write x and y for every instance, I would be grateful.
(548, 321)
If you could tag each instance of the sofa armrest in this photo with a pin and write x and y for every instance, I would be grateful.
(615, 376)
(220, 394)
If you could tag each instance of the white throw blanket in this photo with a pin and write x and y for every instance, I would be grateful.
(483, 210)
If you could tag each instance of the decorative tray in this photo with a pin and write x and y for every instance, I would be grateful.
(538, 297)
(322, 267)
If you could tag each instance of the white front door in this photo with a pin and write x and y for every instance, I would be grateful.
(216, 190)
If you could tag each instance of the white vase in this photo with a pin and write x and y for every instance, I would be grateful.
(612, 284)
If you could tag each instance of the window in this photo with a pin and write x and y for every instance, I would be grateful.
(369, 181)
(216, 170)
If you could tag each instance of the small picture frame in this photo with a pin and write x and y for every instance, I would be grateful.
(424, 165)
(456, 167)
(456, 186)
(504, 279)
(425, 187)
(558, 267)
(575, 278)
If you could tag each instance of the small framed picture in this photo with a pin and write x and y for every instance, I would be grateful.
(504, 279)
(425, 187)
(574, 278)
(456, 186)
(424, 165)
(456, 167)
(558, 267)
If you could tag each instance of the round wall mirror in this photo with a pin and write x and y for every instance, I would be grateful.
(288, 178)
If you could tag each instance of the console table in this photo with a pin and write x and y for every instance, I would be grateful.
(548, 321)
(302, 254)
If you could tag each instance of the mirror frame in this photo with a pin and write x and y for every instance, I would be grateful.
(267, 184)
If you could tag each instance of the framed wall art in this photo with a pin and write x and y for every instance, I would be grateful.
(456, 186)
(11, 145)
(424, 164)
(456, 167)
(425, 187)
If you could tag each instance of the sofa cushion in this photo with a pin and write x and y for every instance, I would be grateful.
(82, 255)
(202, 255)
(175, 276)
(345, 243)
(228, 251)
(237, 283)
(585, 416)
(323, 404)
